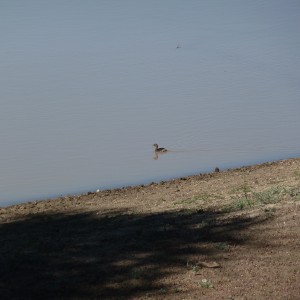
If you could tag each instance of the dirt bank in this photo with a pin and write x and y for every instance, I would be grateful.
(232, 234)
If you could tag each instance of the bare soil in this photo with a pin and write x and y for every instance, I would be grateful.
(232, 234)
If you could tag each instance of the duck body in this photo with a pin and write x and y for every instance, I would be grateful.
(159, 149)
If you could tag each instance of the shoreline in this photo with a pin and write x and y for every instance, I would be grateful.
(80, 194)
(149, 186)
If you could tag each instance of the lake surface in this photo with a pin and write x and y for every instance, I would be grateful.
(88, 87)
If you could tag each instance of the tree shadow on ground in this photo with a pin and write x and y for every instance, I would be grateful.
(108, 255)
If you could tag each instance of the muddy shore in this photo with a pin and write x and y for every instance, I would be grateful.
(233, 234)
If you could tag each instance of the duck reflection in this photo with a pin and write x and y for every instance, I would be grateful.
(158, 150)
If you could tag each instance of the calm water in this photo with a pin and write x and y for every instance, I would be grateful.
(88, 87)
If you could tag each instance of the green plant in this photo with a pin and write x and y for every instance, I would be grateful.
(268, 196)
(293, 192)
(240, 204)
(191, 266)
(206, 283)
(270, 211)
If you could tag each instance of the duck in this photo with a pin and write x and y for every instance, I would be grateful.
(159, 149)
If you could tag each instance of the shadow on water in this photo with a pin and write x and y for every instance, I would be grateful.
(108, 255)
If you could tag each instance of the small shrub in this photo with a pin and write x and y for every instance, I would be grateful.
(239, 204)
(293, 192)
(270, 212)
(206, 283)
(191, 266)
(271, 195)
